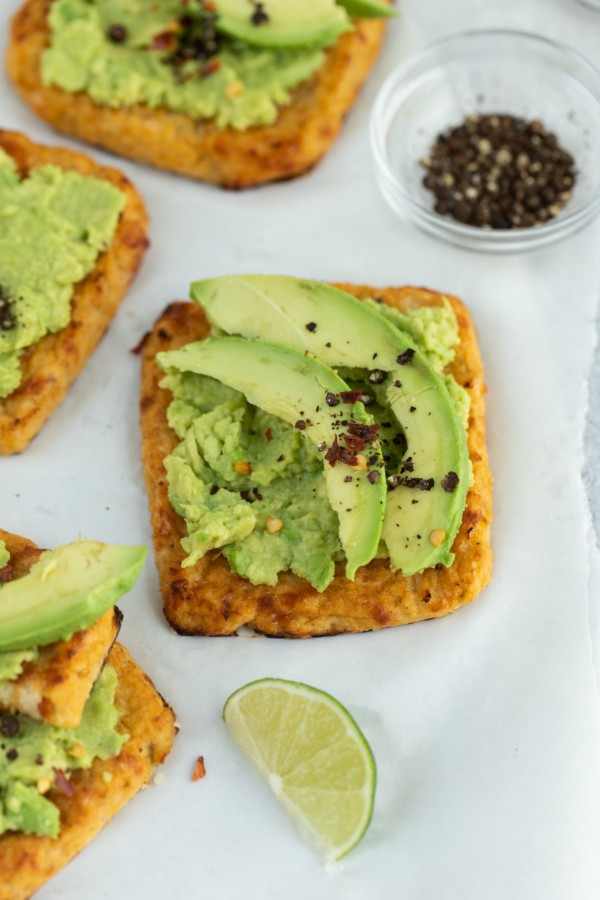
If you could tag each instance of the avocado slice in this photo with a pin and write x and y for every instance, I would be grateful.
(283, 23)
(368, 9)
(65, 591)
(306, 393)
(428, 494)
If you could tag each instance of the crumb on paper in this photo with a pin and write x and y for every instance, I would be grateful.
(199, 769)
(159, 779)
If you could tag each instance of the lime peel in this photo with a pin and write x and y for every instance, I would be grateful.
(312, 754)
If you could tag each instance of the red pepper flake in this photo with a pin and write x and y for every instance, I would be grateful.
(164, 41)
(199, 769)
(351, 459)
(368, 433)
(350, 396)
(6, 574)
(63, 785)
(209, 6)
(210, 68)
(353, 444)
(333, 454)
(269, 434)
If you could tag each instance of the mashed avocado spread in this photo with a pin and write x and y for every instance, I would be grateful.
(12, 662)
(36, 759)
(237, 465)
(250, 484)
(4, 555)
(53, 225)
(123, 52)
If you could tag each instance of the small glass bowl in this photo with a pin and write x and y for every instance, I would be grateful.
(487, 72)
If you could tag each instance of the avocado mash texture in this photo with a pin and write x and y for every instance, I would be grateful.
(236, 466)
(53, 225)
(12, 662)
(238, 86)
(34, 756)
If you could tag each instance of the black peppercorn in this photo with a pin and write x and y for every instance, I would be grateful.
(117, 33)
(8, 319)
(259, 16)
(9, 726)
(499, 171)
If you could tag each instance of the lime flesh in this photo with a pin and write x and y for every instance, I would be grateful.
(313, 756)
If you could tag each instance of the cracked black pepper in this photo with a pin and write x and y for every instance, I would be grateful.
(499, 172)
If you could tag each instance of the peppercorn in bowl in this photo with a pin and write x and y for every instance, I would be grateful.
(490, 139)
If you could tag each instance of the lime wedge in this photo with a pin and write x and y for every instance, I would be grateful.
(313, 756)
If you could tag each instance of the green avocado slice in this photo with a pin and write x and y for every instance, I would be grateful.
(304, 392)
(428, 494)
(65, 591)
(368, 9)
(283, 23)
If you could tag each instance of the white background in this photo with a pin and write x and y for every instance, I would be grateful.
(484, 724)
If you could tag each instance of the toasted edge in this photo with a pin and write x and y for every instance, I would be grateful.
(208, 598)
(51, 365)
(28, 861)
(301, 135)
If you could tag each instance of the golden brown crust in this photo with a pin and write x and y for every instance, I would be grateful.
(52, 364)
(208, 598)
(28, 861)
(302, 134)
(55, 687)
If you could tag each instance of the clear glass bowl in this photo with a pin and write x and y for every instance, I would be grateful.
(486, 72)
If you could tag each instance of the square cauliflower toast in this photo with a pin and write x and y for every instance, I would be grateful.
(28, 861)
(52, 364)
(302, 133)
(208, 598)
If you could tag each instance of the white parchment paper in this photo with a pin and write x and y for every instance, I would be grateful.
(484, 724)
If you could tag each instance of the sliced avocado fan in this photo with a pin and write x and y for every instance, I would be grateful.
(307, 394)
(427, 495)
(283, 23)
(65, 591)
